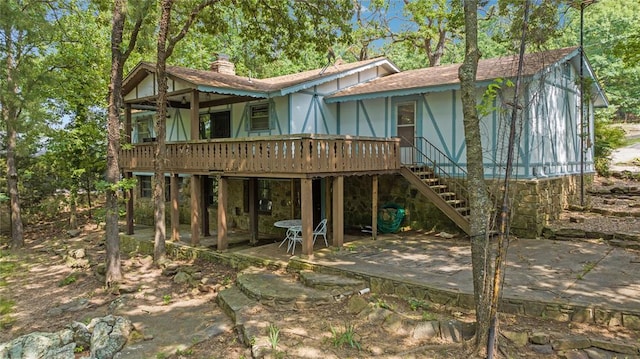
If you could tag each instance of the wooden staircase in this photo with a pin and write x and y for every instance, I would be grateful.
(439, 179)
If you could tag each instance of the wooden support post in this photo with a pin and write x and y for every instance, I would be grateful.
(129, 175)
(374, 209)
(223, 188)
(175, 207)
(306, 190)
(195, 115)
(253, 210)
(292, 199)
(196, 197)
(338, 211)
(204, 208)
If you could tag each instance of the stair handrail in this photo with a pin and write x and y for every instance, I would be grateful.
(434, 160)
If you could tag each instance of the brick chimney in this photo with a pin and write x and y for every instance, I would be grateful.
(222, 65)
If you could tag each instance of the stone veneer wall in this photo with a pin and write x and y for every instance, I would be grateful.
(420, 213)
(536, 202)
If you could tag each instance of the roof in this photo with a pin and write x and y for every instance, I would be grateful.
(441, 78)
(210, 81)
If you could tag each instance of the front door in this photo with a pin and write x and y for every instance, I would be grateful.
(406, 119)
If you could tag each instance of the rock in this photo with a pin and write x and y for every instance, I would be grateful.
(571, 342)
(394, 323)
(542, 348)
(451, 331)
(182, 278)
(74, 233)
(615, 347)
(81, 334)
(576, 219)
(595, 353)
(539, 338)
(573, 354)
(58, 345)
(570, 232)
(426, 330)
(109, 335)
(77, 253)
(170, 270)
(77, 263)
(356, 304)
(519, 339)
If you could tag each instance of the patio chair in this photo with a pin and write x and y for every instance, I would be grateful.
(321, 230)
(294, 235)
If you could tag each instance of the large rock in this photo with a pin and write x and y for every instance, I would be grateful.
(38, 345)
(109, 335)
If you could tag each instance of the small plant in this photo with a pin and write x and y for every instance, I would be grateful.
(79, 349)
(166, 299)
(586, 268)
(161, 355)
(226, 280)
(71, 278)
(185, 352)
(416, 304)
(380, 303)
(348, 336)
(274, 335)
(427, 316)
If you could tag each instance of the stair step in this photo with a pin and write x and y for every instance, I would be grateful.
(430, 181)
(454, 202)
(447, 194)
(277, 290)
(337, 285)
(439, 187)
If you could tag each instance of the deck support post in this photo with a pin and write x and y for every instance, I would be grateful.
(253, 210)
(374, 209)
(223, 188)
(306, 190)
(175, 214)
(129, 175)
(204, 209)
(196, 197)
(338, 211)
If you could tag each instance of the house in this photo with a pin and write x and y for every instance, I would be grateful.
(338, 142)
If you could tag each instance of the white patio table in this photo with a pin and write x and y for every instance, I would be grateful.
(294, 228)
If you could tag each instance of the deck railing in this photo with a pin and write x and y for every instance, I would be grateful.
(286, 154)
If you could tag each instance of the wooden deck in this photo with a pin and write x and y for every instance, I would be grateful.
(292, 156)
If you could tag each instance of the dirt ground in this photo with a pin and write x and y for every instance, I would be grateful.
(39, 291)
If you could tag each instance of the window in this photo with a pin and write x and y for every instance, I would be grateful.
(144, 183)
(259, 117)
(264, 197)
(144, 129)
(406, 123)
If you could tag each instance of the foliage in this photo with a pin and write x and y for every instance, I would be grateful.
(607, 138)
(345, 337)
(71, 278)
(274, 335)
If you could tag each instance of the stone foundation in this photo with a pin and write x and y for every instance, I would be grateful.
(534, 204)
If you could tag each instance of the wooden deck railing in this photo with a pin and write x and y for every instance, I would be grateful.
(275, 155)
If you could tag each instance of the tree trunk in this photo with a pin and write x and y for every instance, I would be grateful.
(159, 248)
(10, 117)
(479, 200)
(114, 272)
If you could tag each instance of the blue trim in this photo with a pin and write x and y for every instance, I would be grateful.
(494, 128)
(318, 104)
(437, 128)
(306, 118)
(289, 116)
(387, 120)
(338, 111)
(243, 118)
(231, 91)
(357, 118)
(526, 156)
(368, 119)
(273, 116)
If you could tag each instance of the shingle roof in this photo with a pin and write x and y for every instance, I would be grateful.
(446, 76)
(232, 84)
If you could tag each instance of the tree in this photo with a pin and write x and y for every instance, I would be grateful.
(120, 52)
(28, 31)
(479, 201)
